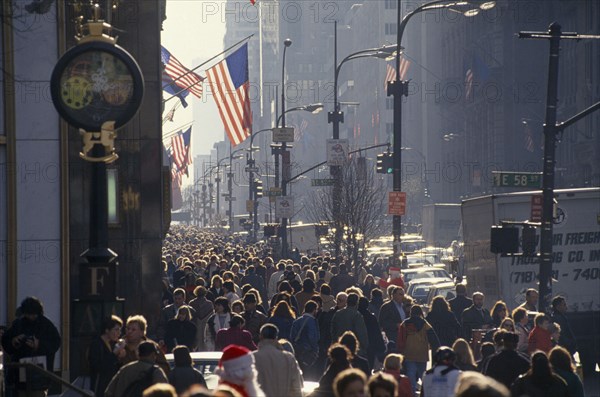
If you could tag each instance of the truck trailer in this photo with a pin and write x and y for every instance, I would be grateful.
(576, 257)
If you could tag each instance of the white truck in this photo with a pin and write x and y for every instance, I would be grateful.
(576, 258)
(441, 224)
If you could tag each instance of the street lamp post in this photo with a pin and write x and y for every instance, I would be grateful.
(230, 186)
(285, 159)
(337, 116)
(399, 88)
(250, 164)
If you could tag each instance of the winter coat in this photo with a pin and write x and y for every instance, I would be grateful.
(181, 333)
(390, 319)
(567, 336)
(415, 336)
(130, 373)
(539, 339)
(181, 378)
(506, 366)
(254, 320)
(473, 318)
(49, 342)
(349, 319)
(103, 365)
(234, 336)
(212, 327)
(278, 371)
(459, 304)
(309, 338)
(284, 324)
(340, 282)
(445, 326)
(552, 387)
(376, 342)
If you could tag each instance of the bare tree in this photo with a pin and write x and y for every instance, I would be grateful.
(361, 206)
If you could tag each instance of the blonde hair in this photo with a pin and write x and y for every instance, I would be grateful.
(160, 390)
(393, 361)
(139, 320)
(464, 354)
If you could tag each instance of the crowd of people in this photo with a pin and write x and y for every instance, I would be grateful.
(349, 326)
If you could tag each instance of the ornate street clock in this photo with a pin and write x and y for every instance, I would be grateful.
(97, 87)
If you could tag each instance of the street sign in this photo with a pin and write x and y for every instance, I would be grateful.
(337, 152)
(322, 182)
(227, 198)
(284, 207)
(283, 134)
(249, 206)
(537, 206)
(517, 179)
(273, 191)
(397, 203)
(251, 169)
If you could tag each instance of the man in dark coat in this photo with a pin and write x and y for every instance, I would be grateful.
(376, 342)
(341, 281)
(392, 313)
(507, 364)
(567, 337)
(459, 303)
(476, 316)
(31, 335)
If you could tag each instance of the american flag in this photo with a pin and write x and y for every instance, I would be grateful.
(181, 77)
(180, 144)
(170, 115)
(390, 72)
(468, 83)
(230, 85)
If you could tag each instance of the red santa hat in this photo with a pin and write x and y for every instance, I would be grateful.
(236, 357)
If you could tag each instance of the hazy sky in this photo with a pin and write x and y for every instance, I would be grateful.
(193, 32)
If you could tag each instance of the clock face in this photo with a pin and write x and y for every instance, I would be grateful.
(96, 82)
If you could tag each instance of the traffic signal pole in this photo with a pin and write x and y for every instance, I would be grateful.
(554, 35)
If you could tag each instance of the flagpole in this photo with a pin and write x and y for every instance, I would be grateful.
(202, 64)
(175, 131)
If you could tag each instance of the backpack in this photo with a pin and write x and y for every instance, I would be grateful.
(137, 387)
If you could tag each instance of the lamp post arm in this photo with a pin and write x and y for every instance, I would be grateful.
(368, 53)
(324, 162)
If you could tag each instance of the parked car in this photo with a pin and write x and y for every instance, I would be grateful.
(425, 272)
(445, 289)
(419, 288)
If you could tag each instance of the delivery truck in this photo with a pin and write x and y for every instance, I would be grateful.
(441, 224)
(576, 257)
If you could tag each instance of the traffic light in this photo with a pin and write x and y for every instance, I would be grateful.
(379, 165)
(504, 240)
(388, 163)
(258, 188)
(528, 241)
(385, 163)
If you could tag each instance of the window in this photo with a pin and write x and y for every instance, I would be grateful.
(390, 29)
(391, 4)
(112, 182)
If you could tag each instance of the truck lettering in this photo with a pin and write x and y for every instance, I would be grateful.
(575, 256)
(594, 256)
(591, 273)
(582, 238)
(557, 239)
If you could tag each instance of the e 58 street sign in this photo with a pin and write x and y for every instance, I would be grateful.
(517, 179)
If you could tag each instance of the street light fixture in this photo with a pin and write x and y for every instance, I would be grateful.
(313, 108)
(398, 88)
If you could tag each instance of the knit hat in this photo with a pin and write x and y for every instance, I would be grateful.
(236, 357)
